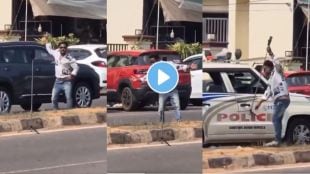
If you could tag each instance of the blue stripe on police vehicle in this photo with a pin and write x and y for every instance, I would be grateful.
(162, 77)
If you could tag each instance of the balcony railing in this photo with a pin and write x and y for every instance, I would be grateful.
(117, 47)
(218, 27)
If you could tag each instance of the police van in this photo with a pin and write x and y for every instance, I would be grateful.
(230, 93)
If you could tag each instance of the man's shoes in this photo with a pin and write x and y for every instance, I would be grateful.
(272, 144)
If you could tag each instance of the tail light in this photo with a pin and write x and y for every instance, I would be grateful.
(99, 64)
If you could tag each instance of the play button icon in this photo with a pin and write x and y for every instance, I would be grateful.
(162, 77)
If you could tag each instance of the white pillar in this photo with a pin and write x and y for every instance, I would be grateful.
(232, 25)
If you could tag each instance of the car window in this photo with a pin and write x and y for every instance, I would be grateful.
(101, 52)
(212, 82)
(42, 54)
(120, 61)
(145, 59)
(298, 80)
(79, 54)
(16, 55)
(245, 82)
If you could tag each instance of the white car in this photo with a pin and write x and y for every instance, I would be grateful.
(230, 93)
(94, 56)
(195, 63)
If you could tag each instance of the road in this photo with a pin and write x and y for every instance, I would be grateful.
(181, 158)
(116, 116)
(100, 102)
(78, 151)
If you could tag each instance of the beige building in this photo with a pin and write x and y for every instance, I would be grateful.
(5, 13)
(251, 22)
(124, 19)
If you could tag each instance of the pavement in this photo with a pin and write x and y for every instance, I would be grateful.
(156, 158)
(287, 169)
(252, 157)
(100, 102)
(75, 150)
(149, 115)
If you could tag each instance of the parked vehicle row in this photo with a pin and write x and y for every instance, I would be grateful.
(16, 60)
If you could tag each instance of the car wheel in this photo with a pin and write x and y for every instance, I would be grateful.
(129, 101)
(5, 101)
(82, 95)
(196, 102)
(27, 106)
(299, 132)
(183, 103)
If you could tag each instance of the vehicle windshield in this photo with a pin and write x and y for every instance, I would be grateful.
(298, 80)
(145, 59)
(101, 52)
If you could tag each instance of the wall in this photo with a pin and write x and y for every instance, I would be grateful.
(271, 20)
(5, 13)
(123, 17)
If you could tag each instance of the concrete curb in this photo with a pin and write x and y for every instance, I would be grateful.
(17, 125)
(258, 159)
(148, 136)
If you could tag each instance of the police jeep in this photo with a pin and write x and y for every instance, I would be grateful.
(230, 92)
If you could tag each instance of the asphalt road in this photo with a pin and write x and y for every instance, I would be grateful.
(80, 151)
(100, 102)
(116, 116)
(182, 158)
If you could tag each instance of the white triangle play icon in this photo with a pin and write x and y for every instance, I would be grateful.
(162, 77)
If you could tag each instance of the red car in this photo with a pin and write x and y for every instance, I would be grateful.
(126, 71)
(299, 82)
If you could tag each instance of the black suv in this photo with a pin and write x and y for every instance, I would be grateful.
(16, 77)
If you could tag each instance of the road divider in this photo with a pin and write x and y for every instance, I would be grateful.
(254, 157)
(52, 119)
(186, 131)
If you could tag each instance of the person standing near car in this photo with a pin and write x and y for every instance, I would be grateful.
(173, 95)
(278, 90)
(66, 69)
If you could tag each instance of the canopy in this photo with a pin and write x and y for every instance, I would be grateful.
(90, 9)
(182, 10)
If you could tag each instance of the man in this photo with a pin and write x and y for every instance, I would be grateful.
(66, 69)
(278, 90)
(173, 95)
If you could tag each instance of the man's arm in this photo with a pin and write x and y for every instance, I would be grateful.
(75, 67)
(264, 98)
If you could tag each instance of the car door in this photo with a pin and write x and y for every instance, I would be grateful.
(18, 70)
(219, 107)
(254, 124)
(44, 72)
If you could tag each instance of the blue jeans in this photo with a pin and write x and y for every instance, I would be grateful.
(175, 101)
(60, 86)
(280, 105)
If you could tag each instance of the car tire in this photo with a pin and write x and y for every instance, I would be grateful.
(27, 106)
(82, 95)
(197, 102)
(298, 132)
(5, 101)
(183, 103)
(128, 99)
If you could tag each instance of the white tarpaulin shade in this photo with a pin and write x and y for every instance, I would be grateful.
(90, 9)
(215, 6)
(182, 10)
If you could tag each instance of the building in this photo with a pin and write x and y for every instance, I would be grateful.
(139, 17)
(247, 24)
(56, 17)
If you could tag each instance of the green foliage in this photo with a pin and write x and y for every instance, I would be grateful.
(186, 50)
(70, 39)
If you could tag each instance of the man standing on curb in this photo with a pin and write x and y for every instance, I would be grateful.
(66, 69)
(278, 90)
